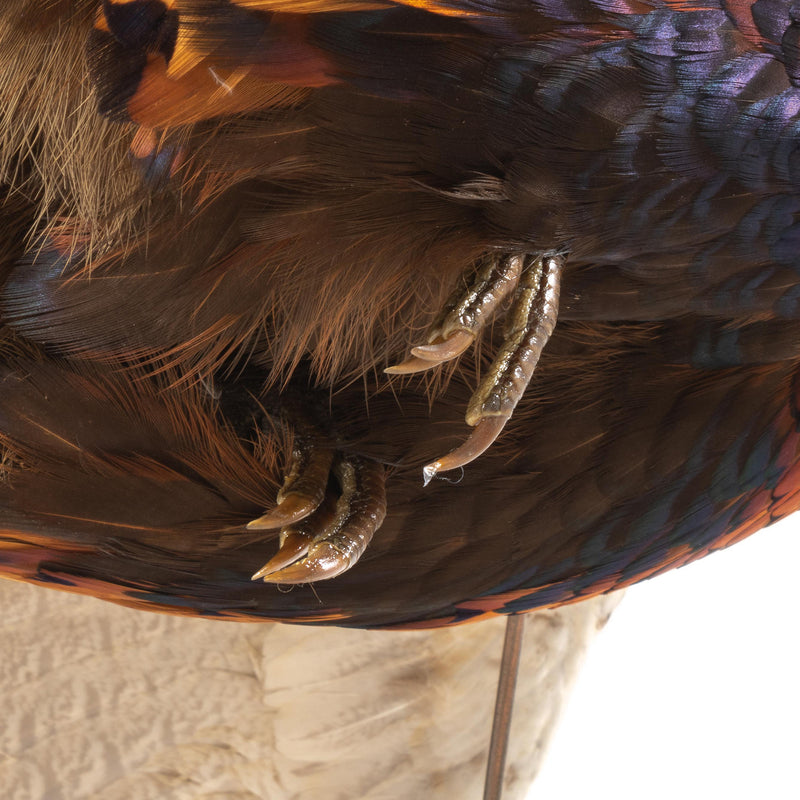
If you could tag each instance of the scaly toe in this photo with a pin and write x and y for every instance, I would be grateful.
(529, 324)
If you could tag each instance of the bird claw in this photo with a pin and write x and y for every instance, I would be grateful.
(533, 282)
(328, 539)
(481, 439)
(303, 487)
(426, 356)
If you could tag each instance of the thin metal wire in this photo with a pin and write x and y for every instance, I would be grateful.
(503, 707)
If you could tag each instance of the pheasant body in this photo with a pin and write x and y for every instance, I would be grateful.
(302, 187)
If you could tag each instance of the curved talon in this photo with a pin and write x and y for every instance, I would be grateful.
(323, 561)
(334, 537)
(446, 349)
(410, 366)
(292, 509)
(428, 356)
(293, 547)
(481, 438)
(303, 488)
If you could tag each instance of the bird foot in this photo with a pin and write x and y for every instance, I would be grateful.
(325, 525)
(533, 283)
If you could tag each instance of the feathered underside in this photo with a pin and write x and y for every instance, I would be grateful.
(212, 208)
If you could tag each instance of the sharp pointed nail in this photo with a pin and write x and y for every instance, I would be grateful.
(322, 563)
(482, 437)
(429, 472)
(445, 350)
(410, 366)
(294, 547)
(290, 510)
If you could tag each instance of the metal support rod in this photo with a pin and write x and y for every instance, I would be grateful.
(503, 707)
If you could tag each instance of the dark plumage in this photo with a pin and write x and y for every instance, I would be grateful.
(269, 208)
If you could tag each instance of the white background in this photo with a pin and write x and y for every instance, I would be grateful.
(693, 688)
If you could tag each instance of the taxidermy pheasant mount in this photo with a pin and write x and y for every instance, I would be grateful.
(262, 258)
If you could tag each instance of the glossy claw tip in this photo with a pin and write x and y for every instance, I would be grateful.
(482, 437)
(265, 570)
(429, 472)
(291, 510)
(445, 349)
(275, 564)
(410, 366)
(322, 563)
(294, 548)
